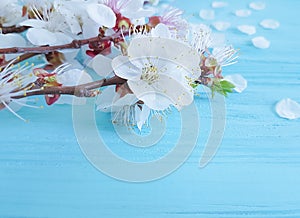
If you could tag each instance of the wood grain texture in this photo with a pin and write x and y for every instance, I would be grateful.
(256, 172)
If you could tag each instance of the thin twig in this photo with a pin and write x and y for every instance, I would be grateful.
(13, 29)
(75, 44)
(84, 90)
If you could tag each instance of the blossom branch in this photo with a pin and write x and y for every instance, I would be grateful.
(13, 29)
(75, 44)
(84, 90)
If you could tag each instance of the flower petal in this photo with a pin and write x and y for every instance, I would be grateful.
(163, 48)
(270, 24)
(261, 42)
(102, 15)
(74, 77)
(40, 37)
(207, 14)
(124, 68)
(141, 115)
(109, 100)
(161, 30)
(132, 5)
(134, 10)
(288, 108)
(248, 29)
(161, 94)
(219, 4)
(34, 23)
(164, 67)
(238, 80)
(138, 21)
(257, 5)
(105, 100)
(90, 28)
(243, 13)
(62, 38)
(102, 65)
(71, 78)
(11, 40)
(221, 25)
(126, 100)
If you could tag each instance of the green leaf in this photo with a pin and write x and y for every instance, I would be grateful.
(194, 85)
(222, 87)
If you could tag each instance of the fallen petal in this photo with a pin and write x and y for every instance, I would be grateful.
(219, 4)
(207, 14)
(247, 29)
(221, 26)
(243, 13)
(270, 24)
(257, 5)
(238, 80)
(261, 42)
(288, 108)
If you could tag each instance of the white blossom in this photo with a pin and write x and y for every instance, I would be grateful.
(10, 13)
(157, 75)
(14, 81)
(49, 28)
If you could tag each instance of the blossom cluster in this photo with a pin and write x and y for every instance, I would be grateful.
(156, 57)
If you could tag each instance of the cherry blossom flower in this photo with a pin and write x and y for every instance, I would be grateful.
(102, 14)
(14, 81)
(74, 12)
(172, 18)
(49, 28)
(132, 9)
(39, 4)
(124, 107)
(162, 60)
(156, 75)
(201, 37)
(62, 77)
(156, 78)
(10, 13)
(213, 57)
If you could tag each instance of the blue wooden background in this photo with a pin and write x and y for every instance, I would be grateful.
(256, 172)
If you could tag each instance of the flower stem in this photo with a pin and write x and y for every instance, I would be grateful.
(13, 29)
(84, 90)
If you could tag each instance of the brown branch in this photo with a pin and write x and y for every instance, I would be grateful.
(75, 44)
(84, 90)
(13, 29)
